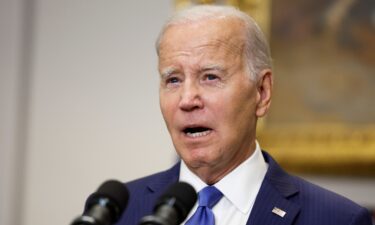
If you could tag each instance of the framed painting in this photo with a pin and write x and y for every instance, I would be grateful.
(322, 118)
(323, 112)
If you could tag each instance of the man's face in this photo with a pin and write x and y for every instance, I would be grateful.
(207, 98)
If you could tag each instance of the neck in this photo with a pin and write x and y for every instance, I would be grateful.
(211, 174)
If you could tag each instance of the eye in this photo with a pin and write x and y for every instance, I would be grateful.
(172, 80)
(211, 77)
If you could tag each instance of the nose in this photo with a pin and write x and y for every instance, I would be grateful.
(190, 98)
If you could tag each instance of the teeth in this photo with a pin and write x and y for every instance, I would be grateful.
(198, 134)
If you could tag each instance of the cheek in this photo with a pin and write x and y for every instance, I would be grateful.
(234, 107)
(168, 107)
(237, 112)
(164, 107)
(219, 110)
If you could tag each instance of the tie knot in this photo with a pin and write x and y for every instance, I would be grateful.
(209, 196)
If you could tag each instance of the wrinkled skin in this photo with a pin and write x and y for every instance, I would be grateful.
(205, 83)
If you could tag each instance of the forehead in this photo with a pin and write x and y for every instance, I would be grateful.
(225, 35)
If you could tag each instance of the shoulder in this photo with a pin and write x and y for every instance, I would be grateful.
(144, 192)
(317, 205)
(155, 180)
(321, 203)
(320, 197)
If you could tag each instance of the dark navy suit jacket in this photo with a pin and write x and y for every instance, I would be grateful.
(303, 202)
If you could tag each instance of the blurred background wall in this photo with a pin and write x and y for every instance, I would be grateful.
(79, 105)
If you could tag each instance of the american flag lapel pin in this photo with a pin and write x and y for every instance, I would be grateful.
(278, 212)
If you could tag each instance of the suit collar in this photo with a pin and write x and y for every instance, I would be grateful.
(276, 193)
(165, 179)
(282, 181)
(277, 190)
(275, 176)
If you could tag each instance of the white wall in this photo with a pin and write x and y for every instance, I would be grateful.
(12, 113)
(92, 103)
(79, 105)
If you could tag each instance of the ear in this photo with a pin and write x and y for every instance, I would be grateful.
(264, 89)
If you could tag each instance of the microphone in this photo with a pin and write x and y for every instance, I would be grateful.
(105, 206)
(173, 206)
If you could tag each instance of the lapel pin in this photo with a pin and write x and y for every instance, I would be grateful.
(278, 211)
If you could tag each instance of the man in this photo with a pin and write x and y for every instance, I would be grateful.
(215, 82)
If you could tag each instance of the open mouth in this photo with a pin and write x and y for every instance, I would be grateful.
(197, 131)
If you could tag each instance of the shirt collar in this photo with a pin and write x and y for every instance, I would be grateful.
(240, 186)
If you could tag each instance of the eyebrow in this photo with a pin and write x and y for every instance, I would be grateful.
(212, 67)
(167, 72)
(171, 70)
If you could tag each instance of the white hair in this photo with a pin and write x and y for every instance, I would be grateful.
(257, 51)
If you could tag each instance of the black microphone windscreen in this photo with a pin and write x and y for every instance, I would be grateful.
(115, 191)
(185, 196)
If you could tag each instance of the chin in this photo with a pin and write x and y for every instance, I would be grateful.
(197, 160)
(195, 164)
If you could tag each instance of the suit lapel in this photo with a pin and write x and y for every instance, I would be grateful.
(268, 200)
(274, 198)
(145, 192)
(166, 178)
(276, 192)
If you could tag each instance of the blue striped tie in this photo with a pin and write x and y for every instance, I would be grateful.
(207, 198)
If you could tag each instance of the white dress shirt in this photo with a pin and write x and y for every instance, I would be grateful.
(240, 188)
